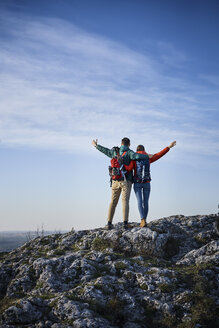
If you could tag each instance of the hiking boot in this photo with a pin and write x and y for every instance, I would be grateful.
(143, 223)
(126, 225)
(109, 226)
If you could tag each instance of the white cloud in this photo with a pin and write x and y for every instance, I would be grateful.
(62, 86)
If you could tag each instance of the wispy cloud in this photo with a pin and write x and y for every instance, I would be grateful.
(62, 86)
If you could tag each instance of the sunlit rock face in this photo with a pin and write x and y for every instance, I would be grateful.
(164, 275)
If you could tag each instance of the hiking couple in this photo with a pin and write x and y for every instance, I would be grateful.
(124, 162)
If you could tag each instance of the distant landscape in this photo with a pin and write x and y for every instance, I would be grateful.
(10, 240)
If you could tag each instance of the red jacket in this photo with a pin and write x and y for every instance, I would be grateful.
(154, 158)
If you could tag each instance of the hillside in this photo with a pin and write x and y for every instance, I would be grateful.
(165, 275)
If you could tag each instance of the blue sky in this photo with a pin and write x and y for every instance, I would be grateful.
(72, 71)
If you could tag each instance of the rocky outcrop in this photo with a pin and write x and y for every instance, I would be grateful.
(165, 275)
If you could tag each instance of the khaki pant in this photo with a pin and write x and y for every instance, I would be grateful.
(119, 187)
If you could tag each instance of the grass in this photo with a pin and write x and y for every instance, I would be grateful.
(59, 251)
(100, 244)
(144, 286)
(3, 255)
(166, 288)
(47, 296)
(203, 309)
(6, 302)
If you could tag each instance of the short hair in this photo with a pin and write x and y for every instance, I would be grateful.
(126, 141)
(140, 148)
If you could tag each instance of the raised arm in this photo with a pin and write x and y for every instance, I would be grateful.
(156, 156)
(106, 151)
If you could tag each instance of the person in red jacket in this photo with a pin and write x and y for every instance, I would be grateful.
(142, 179)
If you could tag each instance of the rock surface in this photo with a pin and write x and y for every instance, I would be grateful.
(165, 275)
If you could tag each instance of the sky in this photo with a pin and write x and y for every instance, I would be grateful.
(73, 71)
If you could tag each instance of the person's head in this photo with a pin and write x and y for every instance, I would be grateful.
(140, 148)
(125, 142)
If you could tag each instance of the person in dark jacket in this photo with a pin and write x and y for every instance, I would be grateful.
(123, 185)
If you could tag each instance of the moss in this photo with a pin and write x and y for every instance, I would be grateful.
(166, 288)
(68, 322)
(203, 309)
(200, 240)
(129, 275)
(120, 266)
(101, 270)
(154, 261)
(75, 248)
(100, 244)
(59, 251)
(46, 296)
(3, 255)
(45, 241)
(151, 272)
(144, 286)
(39, 285)
(103, 289)
(73, 297)
(53, 304)
(6, 302)
(41, 252)
(168, 321)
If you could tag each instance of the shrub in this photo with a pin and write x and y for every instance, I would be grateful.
(100, 244)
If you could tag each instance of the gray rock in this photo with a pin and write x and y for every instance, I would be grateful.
(118, 278)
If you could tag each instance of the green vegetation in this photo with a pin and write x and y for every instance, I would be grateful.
(168, 321)
(200, 240)
(151, 272)
(203, 309)
(166, 288)
(68, 322)
(73, 297)
(6, 302)
(59, 251)
(100, 244)
(120, 266)
(47, 296)
(144, 286)
(53, 304)
(74, 248)
(39, 285)
(3, 255)
(103, 288)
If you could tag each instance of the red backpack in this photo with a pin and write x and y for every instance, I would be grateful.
(116, 170)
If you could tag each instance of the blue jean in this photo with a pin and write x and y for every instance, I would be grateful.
(142, 192)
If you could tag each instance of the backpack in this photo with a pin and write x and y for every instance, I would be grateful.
(142, 171)
(116, 169)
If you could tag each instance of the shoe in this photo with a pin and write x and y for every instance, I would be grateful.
(109, 226)
(143, 223)
(126, 225)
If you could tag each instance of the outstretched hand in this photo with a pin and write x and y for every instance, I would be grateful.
(172, 144)
(94, 142)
